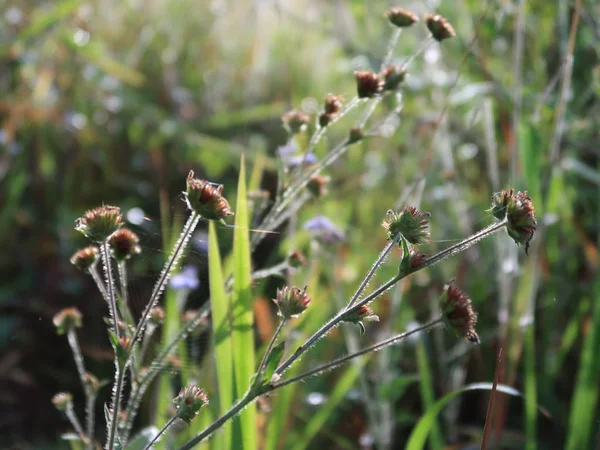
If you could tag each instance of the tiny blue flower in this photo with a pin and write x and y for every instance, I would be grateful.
(286, 150)
(324, 230)
(294, 161)
(186, 279)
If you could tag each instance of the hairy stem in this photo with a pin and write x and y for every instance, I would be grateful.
(98, 280)
(167, 425)
(70, 413)
(373, 348)
(110, 289)
(116, 403)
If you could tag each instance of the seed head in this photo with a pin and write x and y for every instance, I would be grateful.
(356, 134)
(291, 301)
(156, 316)
(401, 17)
(189, 401)
(414, 260)
(63, 401)
(411, 223)
(393, 76)
(99, 223)
(67, 319)
(297, 259)
(363, 314)
(295, 121)
(318, 185)
(457, 313)
(85, 258)
(520, 213)
(123, 244)
(205, 198)
(439, 27)
(368, 84)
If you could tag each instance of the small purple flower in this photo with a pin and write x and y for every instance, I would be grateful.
(294, 161)
(324, 230)
(287, 150)
(186, 279)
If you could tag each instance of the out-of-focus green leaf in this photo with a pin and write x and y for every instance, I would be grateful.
(43, 17)
(142, 439)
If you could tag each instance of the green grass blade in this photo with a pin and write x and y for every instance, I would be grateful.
(530, 389)
(221, 316)
(243, 319)
(436, 440)
(419, 435)
(584, 406)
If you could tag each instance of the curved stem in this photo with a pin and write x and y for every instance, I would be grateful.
(167, 425)
(373, 348)
(382, 256)
(110, 289)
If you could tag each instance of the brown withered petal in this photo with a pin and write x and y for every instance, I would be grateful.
(393, 76)
(295, 121)
(457, 313)
(368, 84)
(318, 185)
(401, 17)
(85, 258)
(333, 104)
(439, 27)
(291, 301)
(519, 212)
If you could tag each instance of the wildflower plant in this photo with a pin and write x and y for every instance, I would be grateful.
(231, 302)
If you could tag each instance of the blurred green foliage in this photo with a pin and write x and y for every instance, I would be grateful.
(114, 101)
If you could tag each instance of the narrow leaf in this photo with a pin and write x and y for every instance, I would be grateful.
(242, 318)
(272, 362)
(221, 316)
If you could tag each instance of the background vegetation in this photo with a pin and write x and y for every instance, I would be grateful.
(110, 101)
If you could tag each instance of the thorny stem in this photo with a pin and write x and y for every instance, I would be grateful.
(261, 366)
(89, 394)
(167, 425)
(110, 289)
(98, 279)
(382, 256)
(116, 403)
(184, 237)
(70, 413)
(235, 409)
(124, 294)
(251, 396)
(373, 348)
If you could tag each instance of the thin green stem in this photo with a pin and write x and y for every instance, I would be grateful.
(382, 256)
(373, 348)
(89, 394)
(110, 289)
(116, 403)
(98, 279)
(263, 361)
(167, 425)
(70, 413)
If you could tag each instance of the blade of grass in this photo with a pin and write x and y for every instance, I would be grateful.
(489, 415)
(436, 440)
(584, 405)
(420, 433)
(530, 388)
(242, 320)
(221, 317)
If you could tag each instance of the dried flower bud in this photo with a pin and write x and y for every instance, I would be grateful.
(67, 319)
(297, 259)
(85, 258)
(99, 223)
(333, 104)
(393, 76)
(91, 383)
(457, 313)
(291, 301)
(173, 363)
(520, 213)
(318, 185)
(368, 84)
(295, 121)
(439, 27)
(205, 198)
(189, 401)
(414, 259)
(411, 223)
(401, 17)
(156, 315)
(63, 401)
(124, 243)
(356, 134)
(363, 313)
